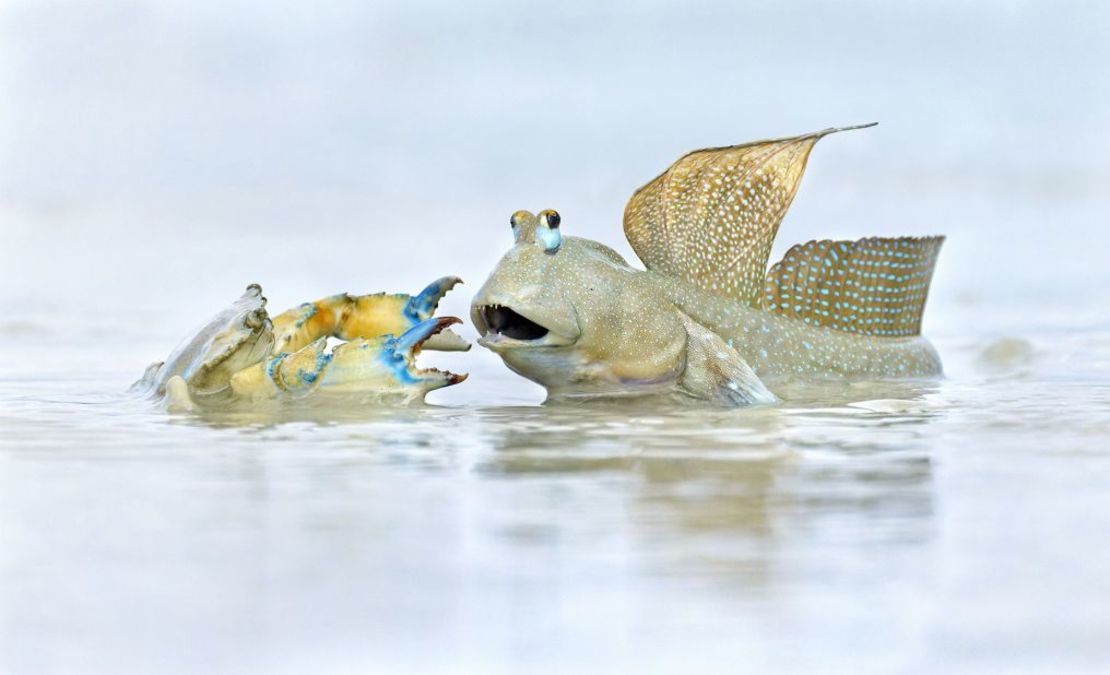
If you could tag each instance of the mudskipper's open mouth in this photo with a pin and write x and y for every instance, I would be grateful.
(504, 321)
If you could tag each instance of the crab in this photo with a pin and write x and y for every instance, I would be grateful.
(242, 354)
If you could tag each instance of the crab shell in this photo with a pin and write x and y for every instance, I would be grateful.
(236, 338)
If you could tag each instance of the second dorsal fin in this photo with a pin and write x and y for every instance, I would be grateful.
(711, 218)
(872, 286)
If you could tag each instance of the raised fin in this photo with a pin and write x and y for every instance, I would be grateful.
(873, 286)
(711, 218)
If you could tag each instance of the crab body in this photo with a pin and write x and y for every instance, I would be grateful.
(242, 354)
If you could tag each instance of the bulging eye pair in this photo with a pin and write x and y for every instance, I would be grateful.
(547, 233)
(550, 217)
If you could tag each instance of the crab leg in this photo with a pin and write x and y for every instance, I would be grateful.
(349, 317)
(380, 365)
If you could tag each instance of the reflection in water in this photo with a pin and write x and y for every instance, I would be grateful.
(710, 490)
(701, 489)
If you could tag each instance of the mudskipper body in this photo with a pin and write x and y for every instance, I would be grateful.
(707, 319)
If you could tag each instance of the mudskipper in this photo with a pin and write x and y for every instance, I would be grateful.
(707, 319)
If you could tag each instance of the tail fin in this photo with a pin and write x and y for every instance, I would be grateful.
(873, 286)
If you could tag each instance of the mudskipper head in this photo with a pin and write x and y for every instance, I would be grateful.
(569, 313)
(524, 303)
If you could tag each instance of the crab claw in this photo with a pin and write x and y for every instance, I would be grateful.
(423, 305)
(401, 353)
(384, 365)
(349, 317)
(388, 364)
(295, 374)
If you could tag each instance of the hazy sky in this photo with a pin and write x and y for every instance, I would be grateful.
(199, 122)
(110, 98)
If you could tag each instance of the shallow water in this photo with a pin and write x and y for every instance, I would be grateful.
(957, 523)
(157, 157)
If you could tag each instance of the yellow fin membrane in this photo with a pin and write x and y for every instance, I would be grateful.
(711, 218)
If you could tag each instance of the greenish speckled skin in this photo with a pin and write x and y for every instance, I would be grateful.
(777, 345)
(617, 330)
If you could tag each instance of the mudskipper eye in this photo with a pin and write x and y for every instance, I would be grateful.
(549, 236)
(512, 220)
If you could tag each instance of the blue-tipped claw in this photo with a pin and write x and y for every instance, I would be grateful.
(422, 331)
(398, 353)
(423, 305)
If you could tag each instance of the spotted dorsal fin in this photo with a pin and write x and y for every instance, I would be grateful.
(711, 218)
(872, 286)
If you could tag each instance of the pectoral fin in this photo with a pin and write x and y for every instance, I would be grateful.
(715, 371)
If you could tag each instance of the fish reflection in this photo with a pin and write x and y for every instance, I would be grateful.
(728, 493)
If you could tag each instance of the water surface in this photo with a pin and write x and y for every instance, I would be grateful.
(954, 523)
